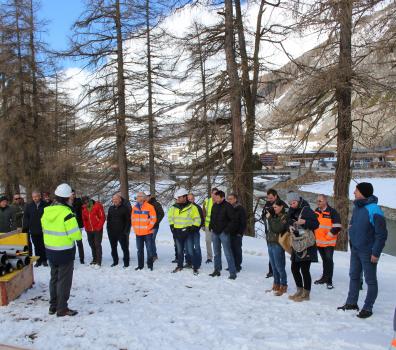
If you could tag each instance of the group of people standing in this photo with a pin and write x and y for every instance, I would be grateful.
(225, 224)
(367, 233)
(55, 230)
(27, 217)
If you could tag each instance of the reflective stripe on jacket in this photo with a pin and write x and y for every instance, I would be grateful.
(144, 218)
(329, 226)
(60, 228)
(208, 210)
(185, 217)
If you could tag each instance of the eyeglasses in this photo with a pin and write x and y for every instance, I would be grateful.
(17, 198)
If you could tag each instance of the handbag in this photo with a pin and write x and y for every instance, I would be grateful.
(304, 240)
(285, 242)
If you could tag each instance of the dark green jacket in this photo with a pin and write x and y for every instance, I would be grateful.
(277, 225)
(7, 219)
(19, 210)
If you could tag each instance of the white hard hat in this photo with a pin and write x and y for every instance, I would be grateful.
(64, 191)
(180, 192)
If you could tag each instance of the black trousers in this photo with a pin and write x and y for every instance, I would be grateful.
(80, 247)
(123, 239)
(326, 254)
(60, 285)
(236, 248)
(39, 247)
(95, 242)
(301, 274)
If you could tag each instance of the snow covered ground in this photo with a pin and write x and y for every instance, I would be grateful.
(384, 189)
(123, 309)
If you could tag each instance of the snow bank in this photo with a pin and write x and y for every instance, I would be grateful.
(123, 309)
(384, 189)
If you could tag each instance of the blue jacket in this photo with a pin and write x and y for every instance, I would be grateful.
(367, 231)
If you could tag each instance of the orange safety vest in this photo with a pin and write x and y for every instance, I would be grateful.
(143, 219)
(324, 238)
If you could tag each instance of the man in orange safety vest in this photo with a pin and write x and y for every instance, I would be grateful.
(326, 238)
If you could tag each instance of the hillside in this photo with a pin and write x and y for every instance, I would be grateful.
(306, 86)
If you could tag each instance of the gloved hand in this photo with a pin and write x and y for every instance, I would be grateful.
(172, 228)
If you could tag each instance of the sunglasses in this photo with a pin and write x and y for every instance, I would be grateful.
(17, 199)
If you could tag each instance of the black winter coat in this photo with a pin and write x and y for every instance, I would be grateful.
(223, 218)
(77, 210)
(32, 218)
(118, 220)
(240, 222)
(158, 210)
(311, 223)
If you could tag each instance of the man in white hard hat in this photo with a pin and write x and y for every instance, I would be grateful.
(184, 220)
(61, 230)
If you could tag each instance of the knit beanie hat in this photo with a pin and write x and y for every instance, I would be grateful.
(3, 198)
(292, 196)
(365, 188)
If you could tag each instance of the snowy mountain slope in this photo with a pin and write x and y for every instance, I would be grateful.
(373, 78)
(123, 309)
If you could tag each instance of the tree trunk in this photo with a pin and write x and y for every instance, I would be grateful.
(344, 122)
(121, 124)
(150, 102)
(205, 115)
(22, 107)
(249, 92)
(35, 162)
(235, 101)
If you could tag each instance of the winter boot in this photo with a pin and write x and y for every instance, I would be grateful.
(296, 294)
(321, 280)
(347, 307)
(364, 314)
(282, 290)
(66, 312)
(215, 273)
(304, 296)
(275, 288)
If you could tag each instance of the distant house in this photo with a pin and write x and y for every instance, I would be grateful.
(362, 158)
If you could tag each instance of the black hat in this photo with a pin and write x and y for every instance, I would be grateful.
(365, 188)
(3, 198)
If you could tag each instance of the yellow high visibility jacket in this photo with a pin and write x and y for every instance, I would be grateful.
(208, 203)
(185, 217)
(60, 230)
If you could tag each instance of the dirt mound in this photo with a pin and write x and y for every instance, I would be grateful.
(308, 177)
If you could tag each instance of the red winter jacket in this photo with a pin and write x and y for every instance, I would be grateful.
(95, 218)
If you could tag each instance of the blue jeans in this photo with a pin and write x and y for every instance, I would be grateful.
(224, 240)
(361, 261)
(184, 243)
(278, 263)
(140, 241)
(197, 247)
(155, 231)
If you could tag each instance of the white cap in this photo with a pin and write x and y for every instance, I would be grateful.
(63, 190)
(180, 192)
